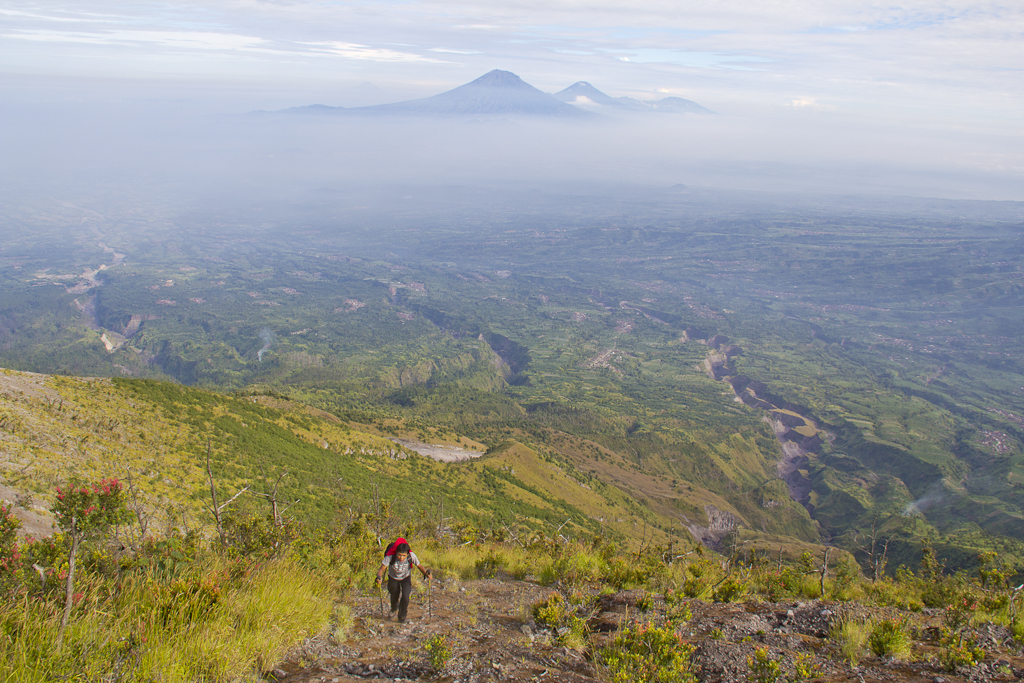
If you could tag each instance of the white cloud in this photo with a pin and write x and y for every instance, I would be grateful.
(193, 40)
(363, 52)
(811, 103)
(78, 18)
(454, 52)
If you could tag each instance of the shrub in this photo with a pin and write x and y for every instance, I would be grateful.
(942, 590)
(955, 653)
(805, 668)
(622, 574)
(845, 579)
(1017, 628)
(958, 613)
(558, 614)
(695, 586)
(80, 512)
(763, 667)
(255, 536)
(901, 593)
(575, 567)
(168, 556)
(889, 638)
(771, 584)
(700, 575)
(552, 612)
(9, 525)
(439, 651)
(729, 589)
(646, 653)
(678, 609)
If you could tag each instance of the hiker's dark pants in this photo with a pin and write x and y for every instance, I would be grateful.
(400, 592)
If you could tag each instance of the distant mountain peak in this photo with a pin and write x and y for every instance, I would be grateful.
(497, 78)
(496, 93)
(583, 89)
(583, 93)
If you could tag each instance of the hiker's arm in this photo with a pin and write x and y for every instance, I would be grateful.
(380, 573)
(426, 572)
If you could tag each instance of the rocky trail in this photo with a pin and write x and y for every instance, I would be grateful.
(492, 637)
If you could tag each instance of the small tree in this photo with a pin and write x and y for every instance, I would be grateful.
(82, 512)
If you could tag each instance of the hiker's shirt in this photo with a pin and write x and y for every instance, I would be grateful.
(399, 571)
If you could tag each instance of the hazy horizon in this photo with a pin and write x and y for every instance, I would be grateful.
(876, 101)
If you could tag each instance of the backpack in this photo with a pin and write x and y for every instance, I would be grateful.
(390, 550)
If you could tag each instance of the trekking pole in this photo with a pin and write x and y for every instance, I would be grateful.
(430, 612)
(380, 596)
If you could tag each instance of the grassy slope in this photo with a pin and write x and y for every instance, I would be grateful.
(58, 428)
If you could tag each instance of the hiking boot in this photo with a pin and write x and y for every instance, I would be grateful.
(392, 614)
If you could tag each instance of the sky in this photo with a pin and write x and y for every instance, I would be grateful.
(950, 74)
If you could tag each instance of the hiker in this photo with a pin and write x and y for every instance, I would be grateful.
(399, 561)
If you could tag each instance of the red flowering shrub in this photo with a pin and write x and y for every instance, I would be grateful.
(9, 525)
(81, 510)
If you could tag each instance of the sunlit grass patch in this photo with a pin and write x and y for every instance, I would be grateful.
(212, 625)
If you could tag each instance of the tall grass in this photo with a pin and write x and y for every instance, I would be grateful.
(230, 622)
(851, 636)
(481, 561)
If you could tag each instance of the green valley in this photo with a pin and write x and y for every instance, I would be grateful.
(637, 361)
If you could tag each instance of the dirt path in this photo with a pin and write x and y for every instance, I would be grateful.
(493, 638)
(484, 619)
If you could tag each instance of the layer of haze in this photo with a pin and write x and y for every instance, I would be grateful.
(166, 144)
(921, 99)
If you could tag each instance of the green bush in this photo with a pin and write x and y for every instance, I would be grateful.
(695, 586)
(168, 556)
(575, 567)
(256, 536)
(805, 668)
(646, 653)
(955, 653)
(678, 608)
(902, 593)
(559, 614)
(771, 584)
(763, 667)
(622, 574)
(889, 638)
(729, 589)
(439, 651)
(958, 613)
